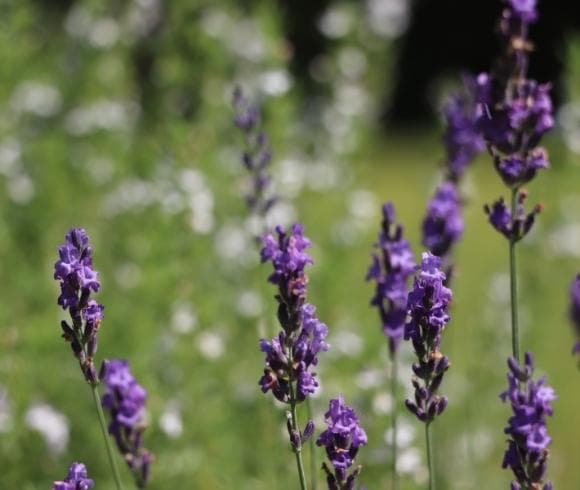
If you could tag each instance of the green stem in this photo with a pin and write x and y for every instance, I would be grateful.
(394, 444)
(514, 285)
(430, 458)
(110, 453)
(313, 468)
(297, 450)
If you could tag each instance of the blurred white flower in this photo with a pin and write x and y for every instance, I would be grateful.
(52, 424)
(184, 318)
(36, 98)
(211, 344)
(171, 421)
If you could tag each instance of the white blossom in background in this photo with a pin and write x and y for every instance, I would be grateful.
(5, 411)
(107, 115)
(370, 378)
(249, 304)
(170, 421)
(10, 156)
(234, 244)
(336, 22)
(183, 318)
(21, 188)
(275, 82)
(382, 403)
(345, 342)
(211, 344)
(36, 98)
(406, 434)
(199, 199)
(128, 275)
(569, 121)
(388, 18)
(52, 425)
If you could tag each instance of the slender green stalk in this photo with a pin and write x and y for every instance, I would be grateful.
(313, 466)
(296, 428)
(394, 443)
(110, 453)
(430, 458)
(514, 285)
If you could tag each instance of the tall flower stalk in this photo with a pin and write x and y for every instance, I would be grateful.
(427, 318)
(391, 267)
(514, 113)
(443, 223)
(78, 280)
(291, 355)
(531, 402)
(342, 440)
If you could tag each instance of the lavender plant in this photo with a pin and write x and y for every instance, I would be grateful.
(428, 305)
(531, 402)
(443, 224)
(257, 155)
(575, 310)
(77, 278)
(514, 113)
(291, 355)
(391, 268)
(77, 479)
(342, 440)
(125, 401)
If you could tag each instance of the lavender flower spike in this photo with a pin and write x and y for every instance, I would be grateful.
(294, 351)
(78, 280)
(342, 440)
(391, 268)
(531, 402)
(428, 315)
(257, 155)
(77, 479)
(575, 310)
(125, 401)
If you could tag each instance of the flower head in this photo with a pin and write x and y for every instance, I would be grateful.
(342, 440)
(257, 156)
(443, 225)
(125, 401)
(78, 280)
(427, 318)
(77, 479)
(531, 402)
(514, 228)
(391, 268)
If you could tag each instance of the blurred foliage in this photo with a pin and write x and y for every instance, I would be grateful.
(115, 117)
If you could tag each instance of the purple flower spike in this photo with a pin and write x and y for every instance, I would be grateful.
(342, 440)
(78, 280)
(428, 315)
(77, 479)
(257, 156)
(575, 310)
(531, 402)
(462, 138)
(294, 351)
(443, 225)
(391, 268)
(125, 401)
(513, 228)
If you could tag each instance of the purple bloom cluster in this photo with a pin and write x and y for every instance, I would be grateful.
(462, 139)
(390, 269)
(515, 111)
(513, 227)
(257, 156)
(575, 310)
(125, 402)
(342, 440)
(428, 315)
(531, 401)
(292, 353)
(443, 225)
(77, 479)
(78, 280)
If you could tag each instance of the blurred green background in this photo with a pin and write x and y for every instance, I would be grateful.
(152, 172)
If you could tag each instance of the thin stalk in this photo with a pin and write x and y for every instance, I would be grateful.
(394, 443)
(110, 453)
(514, 285)
(313, 466)
(430, 458)
(295, 427)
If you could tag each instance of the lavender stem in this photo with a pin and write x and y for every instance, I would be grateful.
(430, 458)
(394, 444)
(514, 284)
(297, 448)
(104, 430)
(311, 443)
